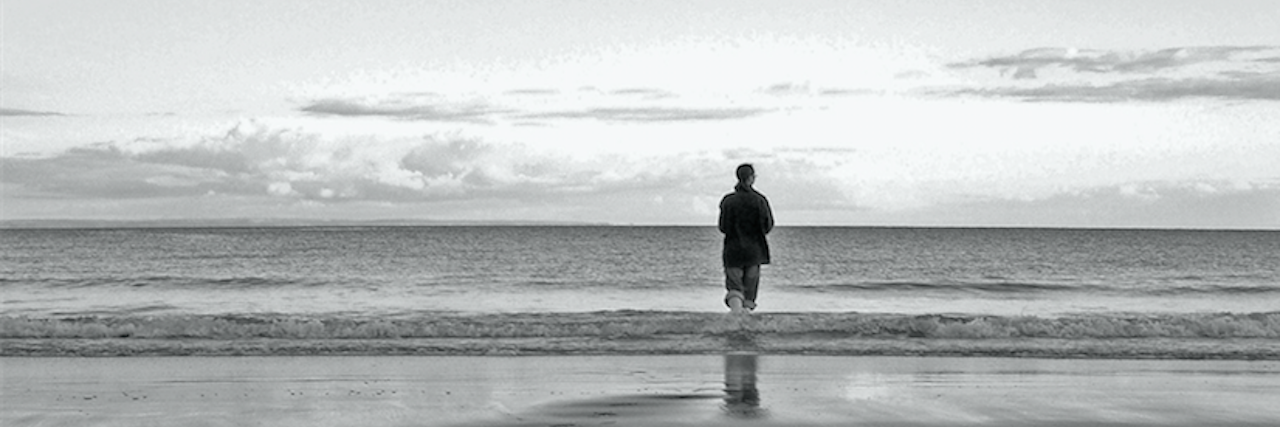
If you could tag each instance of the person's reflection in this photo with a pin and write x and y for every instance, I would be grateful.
(741, 398)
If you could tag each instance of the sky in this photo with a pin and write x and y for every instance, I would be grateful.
(1028, 113)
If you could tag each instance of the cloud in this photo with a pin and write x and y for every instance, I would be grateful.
(7, 112)
(650, 114)
(1027, 63)
(257, 160)
(646, 93)
(1186, 204)
(465, 176)
(1076, 75)
(1256, 86)
(806, 90)
(408, 108)
(457, 172)
(787, 89)
(912, 75)
(104, 171)
(636, 105)
(849, 92)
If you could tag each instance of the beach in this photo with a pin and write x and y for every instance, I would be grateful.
(724, 389)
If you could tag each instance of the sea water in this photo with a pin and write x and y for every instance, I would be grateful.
(398, 271)
(603, 281)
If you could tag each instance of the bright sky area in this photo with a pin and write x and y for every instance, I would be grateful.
(926, 113)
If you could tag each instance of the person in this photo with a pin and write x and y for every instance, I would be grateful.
(745, 219)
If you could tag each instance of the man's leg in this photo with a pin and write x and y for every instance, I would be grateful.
(750, 285)
(734, 284)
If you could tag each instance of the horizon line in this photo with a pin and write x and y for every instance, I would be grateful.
(69, 224)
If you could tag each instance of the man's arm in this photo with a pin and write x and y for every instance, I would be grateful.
(766, 216)
(722, 214)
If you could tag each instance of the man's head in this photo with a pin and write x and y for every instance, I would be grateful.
(746, 174)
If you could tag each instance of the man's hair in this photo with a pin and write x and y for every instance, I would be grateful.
(745, 171)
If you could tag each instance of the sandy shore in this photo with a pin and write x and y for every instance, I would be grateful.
(633, 390)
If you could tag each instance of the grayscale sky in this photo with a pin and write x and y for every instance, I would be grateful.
(1160, 113)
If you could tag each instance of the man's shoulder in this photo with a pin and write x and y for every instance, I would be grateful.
(747, 197)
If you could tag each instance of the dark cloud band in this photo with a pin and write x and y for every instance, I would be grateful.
(435, 109)
(650, 114)
(1026, 63)
(9, 112)
(1220, 72)
(445, 112)
(1259, 87)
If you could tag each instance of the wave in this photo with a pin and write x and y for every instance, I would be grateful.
(1217, 335)
(244, 282)
(1015, 287)
(999, 287)
(632, 324)
(1215, 289)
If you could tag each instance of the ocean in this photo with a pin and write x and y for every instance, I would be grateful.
(608, 281)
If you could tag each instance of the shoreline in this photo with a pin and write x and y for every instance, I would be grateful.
(295, 223)
(1030, 348)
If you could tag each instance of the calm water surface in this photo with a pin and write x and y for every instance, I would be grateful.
(389, 271)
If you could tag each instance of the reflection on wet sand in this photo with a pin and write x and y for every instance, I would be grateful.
(695, 390)
(741, 397)
(741, 401)
(622, 409)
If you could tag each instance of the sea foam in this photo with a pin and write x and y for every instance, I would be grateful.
(1220, 335)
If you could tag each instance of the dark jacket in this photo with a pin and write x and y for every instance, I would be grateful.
(745, 217)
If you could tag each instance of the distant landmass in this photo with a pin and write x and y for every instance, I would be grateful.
(265, 222)
(286, 222)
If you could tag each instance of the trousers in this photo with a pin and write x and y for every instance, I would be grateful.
(745, 281)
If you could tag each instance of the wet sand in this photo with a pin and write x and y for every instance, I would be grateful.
(727, 389)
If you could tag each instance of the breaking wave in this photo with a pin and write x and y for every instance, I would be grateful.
(647, 324)
(1193, 286)
(654, 332)
(220, 283)
(989, 287)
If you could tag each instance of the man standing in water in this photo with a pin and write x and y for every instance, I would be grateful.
(745, 218)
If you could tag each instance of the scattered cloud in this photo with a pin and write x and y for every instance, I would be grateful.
(6, 112)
